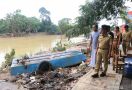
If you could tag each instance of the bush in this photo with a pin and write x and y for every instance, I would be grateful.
(59, 47)
(9, 57)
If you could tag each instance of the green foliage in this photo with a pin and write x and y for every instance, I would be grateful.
(17, 24)
(9, 57)
(59, 47)
(47, 25)
(46, 21)
(43, 11)
(3, 26)
(92, 12)
(64, 25)
(73, 32)
(54, 29)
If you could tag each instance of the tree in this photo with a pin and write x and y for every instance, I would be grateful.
(9, 57)
(96, 10)
(17, 23)
(54, 29)
(123, 15)
(3, 26)
(46, 21)
(44, 13)
(33, 24)
(64, 25)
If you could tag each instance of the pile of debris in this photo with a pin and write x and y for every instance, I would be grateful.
(59, 79)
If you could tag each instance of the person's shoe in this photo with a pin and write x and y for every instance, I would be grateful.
(102, 74)
(95, 75)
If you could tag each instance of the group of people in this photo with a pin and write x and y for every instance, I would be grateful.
(104, 44)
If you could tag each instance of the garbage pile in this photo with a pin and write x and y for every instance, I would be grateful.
(59, 79)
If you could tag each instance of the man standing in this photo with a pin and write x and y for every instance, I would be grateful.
(131, 38)
(115, 45)
(109, 32)
(126, 39)
(93, 44)
(116, 41)
(103, 51)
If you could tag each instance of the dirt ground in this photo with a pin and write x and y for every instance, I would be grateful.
(6, 85)
(9, 86)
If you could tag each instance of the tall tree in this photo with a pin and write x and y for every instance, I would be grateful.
(34, 24)
(17, 23)
(46, 21)
(3, 26)
(96, 10)
(64, 25)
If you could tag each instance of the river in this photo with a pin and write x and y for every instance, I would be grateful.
(28, 44)
(31, 44)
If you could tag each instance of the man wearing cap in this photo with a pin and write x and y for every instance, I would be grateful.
(110, 32)
(103, 51)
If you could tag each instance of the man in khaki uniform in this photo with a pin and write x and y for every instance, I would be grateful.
(126, 39)
(131, 38)
(103, 51)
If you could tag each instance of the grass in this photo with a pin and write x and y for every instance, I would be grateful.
(28, 44)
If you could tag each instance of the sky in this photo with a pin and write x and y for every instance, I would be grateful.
(58, 8)
(119, 21)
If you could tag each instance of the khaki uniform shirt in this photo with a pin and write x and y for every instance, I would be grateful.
(127, 36)
(104, 42)
(131, 34)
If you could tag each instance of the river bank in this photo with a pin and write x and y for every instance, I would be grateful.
(32, 44)
(27, 45)
(60, 79)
